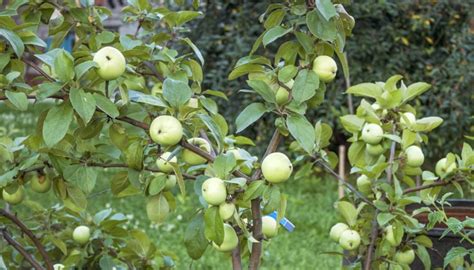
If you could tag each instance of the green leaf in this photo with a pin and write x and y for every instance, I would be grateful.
(305, 85)
(82, 68)
(83, 103)
(347, 211)
(195, 49)
(157, 208)
(64, 66)
(14, 40)
(326, 8)
(134, 155)
(274, 33)
(287, 73)
(249, 115)
(194, 238)
(320, 27)
(302, 130)
(245, 69)
(214, 128)
(140, 97)
(453, 254)
(384, 218)
(366, 90)
(83, 177)
(223, 165)
(48, 89)
(177, 93)
(352, 123)
(157, 184)
(106, 105)
(323, 133)
(275, 18)
(262, 89)
(254, 190)
(424, 256)
(415, 90)
(18, 99)
(214, 230)
(427, 124)
(356, 154)
(57, 123)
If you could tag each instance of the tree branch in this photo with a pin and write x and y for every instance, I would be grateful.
(435, 184)
(20, 249)
(236, 258)
(255, 205)
(30, 234)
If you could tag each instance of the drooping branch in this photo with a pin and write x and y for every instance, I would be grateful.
(255, 206)
(432, 185)
(30, 235)
(20, 249)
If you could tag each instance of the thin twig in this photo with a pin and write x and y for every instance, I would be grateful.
(30, 234)
(236, 258)
(255, 206)
(435, 184)
(20, 249)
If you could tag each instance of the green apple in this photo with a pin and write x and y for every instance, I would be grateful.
(374, 149)
(166, 130)
(390, 236)
(245, 167)
(170, 182)
(40, 184)
(111, 63)
(337, 230)
(226, 210)
(405, 257)
(81, 234)
(349, 240)
(192, 158)
(441, 167)
(414, 156)
(269, 227)
(372, 134)
(407, 119)
(214, 191)
(364, 184)
(325, 67)
(276, 167)
(282, 95)
(157, 208)
(230, 239)
(16, 197)
(165, 164)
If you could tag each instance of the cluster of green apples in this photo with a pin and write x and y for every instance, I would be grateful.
(40, 183)
(404, 255)
(348, 239)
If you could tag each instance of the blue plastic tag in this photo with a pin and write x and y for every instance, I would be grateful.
(284, 222)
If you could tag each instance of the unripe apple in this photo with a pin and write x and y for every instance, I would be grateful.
(230, 240)
(269, 227)
(16, 197)
(245, 168)
(441, 167)
(276, 167)
(372, 134)
(226, 210)
(192, 158)
(214, 191)
(170, 182)
(415, 156)
(166, 130)
(165, 164)
(374, 149)
(411, 119)
(111, 63)
(349, 240)
(337, 230)
(325, 67)
(405, 257)
(282, 95)
(364, 184)
(157, 208)
(40, 184)
(81, 234)
(390, 236)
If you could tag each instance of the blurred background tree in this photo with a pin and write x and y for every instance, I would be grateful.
(422, 40)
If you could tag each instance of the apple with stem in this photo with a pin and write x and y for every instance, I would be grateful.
(269, 226)
(325, 67)
(81, 234)
(349, 240)
(390, 236)
(166, 130)
(226, 210)
(164, 163)
(214, 191)
(15, 197)
(364, 184)
(40, 184)
(276, 167)
(337, 230)
(414, 156)
(111, 63)
(170, 182)
(372, 134)
(230, 239)
(282, 95)
(442, 168)
(405, 257)
(192, 158)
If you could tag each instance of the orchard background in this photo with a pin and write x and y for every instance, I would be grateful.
(429, 41)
